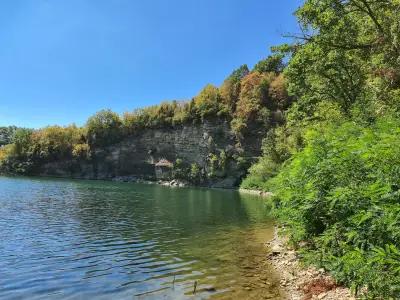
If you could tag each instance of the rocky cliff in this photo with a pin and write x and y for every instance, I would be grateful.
(209, 145)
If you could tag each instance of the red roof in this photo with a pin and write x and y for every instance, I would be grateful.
(164, 163)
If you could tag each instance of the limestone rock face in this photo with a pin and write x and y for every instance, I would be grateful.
(136, 155)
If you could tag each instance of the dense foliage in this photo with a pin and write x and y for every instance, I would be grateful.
(30, 147)
(341, 195)
(334, 164)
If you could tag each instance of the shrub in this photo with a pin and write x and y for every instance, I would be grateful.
(341, 194)
(259, 173)
(179, 170)
(195, 173)
(213, 165)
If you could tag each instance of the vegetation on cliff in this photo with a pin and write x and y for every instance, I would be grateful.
(334, 164)
(247, 99)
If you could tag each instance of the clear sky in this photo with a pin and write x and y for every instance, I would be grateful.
(63, 60)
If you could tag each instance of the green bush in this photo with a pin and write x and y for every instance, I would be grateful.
(195, 173)
(284, 141)
(341, 194)
(259, 173)
(179, 169)
(213, 165)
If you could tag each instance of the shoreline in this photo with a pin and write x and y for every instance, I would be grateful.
(121, 179)
(255, 192)
(132, 179)
(297, 281)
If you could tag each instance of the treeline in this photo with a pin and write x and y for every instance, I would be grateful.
(334, 164)
(246, 97)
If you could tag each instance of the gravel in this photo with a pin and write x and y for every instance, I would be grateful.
(301, 283)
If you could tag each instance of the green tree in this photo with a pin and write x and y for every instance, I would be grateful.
(208, 102)
(6, 134)
(273, 63)
(104, 128)
(22, 141)
(348, 53)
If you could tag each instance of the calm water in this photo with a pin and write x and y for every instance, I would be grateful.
(64, 239)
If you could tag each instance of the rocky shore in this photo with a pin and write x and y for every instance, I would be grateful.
(172, 183)
(256, 192)
(302, 283)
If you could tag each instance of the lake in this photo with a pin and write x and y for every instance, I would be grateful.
(72, 239)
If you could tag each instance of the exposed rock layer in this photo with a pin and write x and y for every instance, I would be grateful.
(135, 156)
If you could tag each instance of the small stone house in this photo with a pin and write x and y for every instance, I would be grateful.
(163, 169)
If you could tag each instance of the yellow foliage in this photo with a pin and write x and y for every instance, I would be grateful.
(278, 92)
(56, 140)
(208, 101)
(253, 95)
(80, 150)
(6, 151)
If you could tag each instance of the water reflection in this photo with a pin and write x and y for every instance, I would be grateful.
(79, 239)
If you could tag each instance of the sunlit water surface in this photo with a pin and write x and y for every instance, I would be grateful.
(67, 239)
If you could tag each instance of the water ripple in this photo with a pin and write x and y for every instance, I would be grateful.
(82, 239)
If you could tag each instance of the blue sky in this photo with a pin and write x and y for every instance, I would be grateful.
(61, 61)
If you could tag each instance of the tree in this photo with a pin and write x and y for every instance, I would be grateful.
(230, 88)
(104, 128)
(22, 141)
(347, 53)
(208, 102)
(251, 106)
(6, 134)
(273, 63)
(56, 142)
